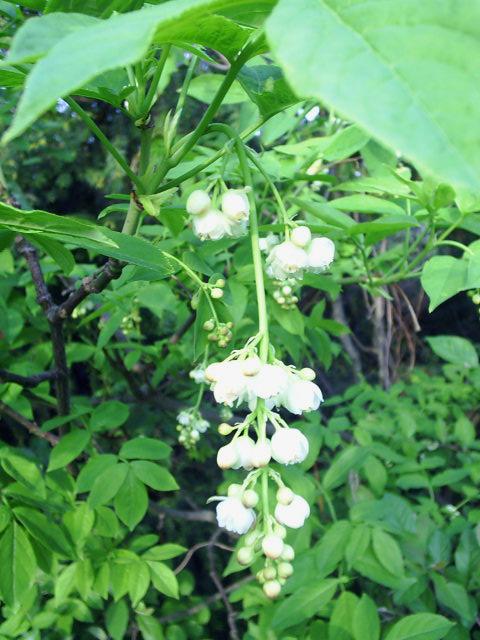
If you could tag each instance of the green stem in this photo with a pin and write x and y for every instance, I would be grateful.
(130, 224)
(187, 143)
(186, 83)
(197, 280)
(265, 505)
(98, 133)
(151, 96)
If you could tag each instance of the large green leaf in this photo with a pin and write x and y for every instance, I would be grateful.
(87, 235)
(17, 562)
(266, 86)
(85, 53)
(304, 603)
(454, 349)
(445, 276)
(420, 626)
(388, 66)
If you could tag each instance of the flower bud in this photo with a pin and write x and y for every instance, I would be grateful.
(307, 374)
(220, 283)
(250, 498)
(269, 573)
(235, 204)
(280, 531)
(288, 554)
(261, 454)
(301, 236)
(245, 555)
(234, 490)
(272, 589)
(251, 366)
(227, 456)
(216, 293)
(285, 495)
(285, 570)
(272, 546)
(198, 202)
(287, 290)
(225, 429)
(251, 538)
(208, 325)
(260, 577)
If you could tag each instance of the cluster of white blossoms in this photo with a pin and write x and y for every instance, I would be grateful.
(234, 381)
(211, 223)
(190, 425)
(245, 378)
(291, 258)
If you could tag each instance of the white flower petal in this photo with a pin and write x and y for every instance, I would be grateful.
(289, 446)
(233, 516)
(320, 253)
(294, 514)
(301, 395)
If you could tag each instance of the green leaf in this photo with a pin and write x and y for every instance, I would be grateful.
(107, 485)
(44, 530)
(89, 236)
(150, 628)
(154, 475)
(18, 564)
(340, 626)
(383, 67)
(267, 88)
(131, 501)
(387, 551)
(92, 469)
(366, 621)
(344, 143)
(358, 543)
(145, 449)
(69, 448)
(62, 256)
(116, 619)
(38, 35)
(420, 626)
(164, 552)
(203, 87)
(109, 415)
(163, 578)
(350, 458)
(138, 588)
(455, 350)
(23, 471)
(443, 277)
(367, 204)
(304, 603)
(454, 596)
(86, 53)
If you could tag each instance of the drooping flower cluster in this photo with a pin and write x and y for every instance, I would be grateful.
(246, 380)
(211, 223)
(190, 425)
(291, 258)
(284, 293)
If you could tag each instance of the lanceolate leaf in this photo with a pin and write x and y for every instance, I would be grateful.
(87, 235)
(384, 65)
(17, 562)
(107, 44)
(420, 626)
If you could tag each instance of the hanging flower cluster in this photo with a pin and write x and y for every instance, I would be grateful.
(190, 425)
(291, 258)
(244, 378)
(211, 223)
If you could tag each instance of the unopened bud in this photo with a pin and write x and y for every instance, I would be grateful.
(245, 555)
(272, 589)
(301, 236)
(234, 490)
(216, 293)
(250, 498)
(272, 546)
(288, 554)
(285, 495)
(307, 374)
(227, 457)
(220, 283)
(269, 573)
(209, 325)
(198, 202)
(285, 570)
(261, 454)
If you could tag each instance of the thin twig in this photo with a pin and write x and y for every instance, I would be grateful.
(32, 427)
(231, 614)
(27, 381)
(201, 515)
(195, 548)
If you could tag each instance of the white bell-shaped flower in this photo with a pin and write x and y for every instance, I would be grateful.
(320, 253)
(270, 381)
(198, 202)
(286, 260)
(294, 514)
(230, 384)
(244, 447)
(262, 453)
(301, 395)
(227, 456)
(289, 446)
(235, 205)
(211, 225)
(233, 516)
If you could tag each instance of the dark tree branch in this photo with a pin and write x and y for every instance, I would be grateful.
(32, 427)
(27, 381)
(94, 284)
(201, 515)
(45, 300)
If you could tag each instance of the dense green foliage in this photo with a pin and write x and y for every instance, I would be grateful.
(349, 124)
